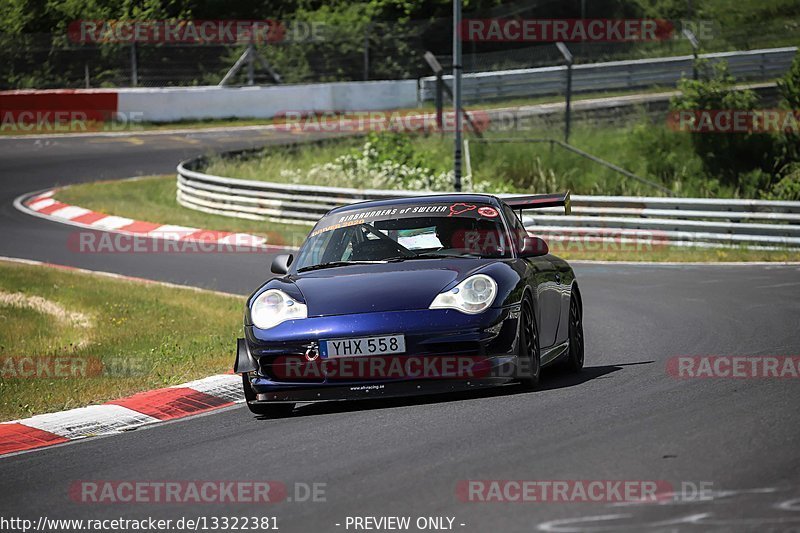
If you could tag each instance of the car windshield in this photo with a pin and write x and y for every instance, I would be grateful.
(405, 232)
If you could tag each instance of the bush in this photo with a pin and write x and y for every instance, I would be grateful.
(789, 88)
(395, 147)
(667, 156)
(726, 156)
(788, 187)
(385, 161)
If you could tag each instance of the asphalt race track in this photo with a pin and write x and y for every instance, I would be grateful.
(30, 165)
(624, 418)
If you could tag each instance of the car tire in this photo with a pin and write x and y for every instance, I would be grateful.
(528, 346)
(274, 410)
(574, 362)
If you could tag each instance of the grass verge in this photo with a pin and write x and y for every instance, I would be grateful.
(153, 199)
(650, 150)
(112, 337)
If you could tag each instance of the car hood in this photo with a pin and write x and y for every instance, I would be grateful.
(375, 288)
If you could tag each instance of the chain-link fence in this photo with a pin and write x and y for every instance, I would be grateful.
(380, 50)
(487, 57)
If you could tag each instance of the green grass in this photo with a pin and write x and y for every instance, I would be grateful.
(152, 199)
(676, 254)
(268, 164)
(753, 23)
(144, 335)
(647, 149)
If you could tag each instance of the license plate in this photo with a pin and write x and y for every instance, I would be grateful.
(384, 345)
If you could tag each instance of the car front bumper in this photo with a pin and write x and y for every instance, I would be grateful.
(442, 335)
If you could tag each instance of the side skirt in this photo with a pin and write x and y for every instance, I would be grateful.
(552, 354)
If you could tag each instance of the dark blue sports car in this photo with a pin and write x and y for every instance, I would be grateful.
(410, 296)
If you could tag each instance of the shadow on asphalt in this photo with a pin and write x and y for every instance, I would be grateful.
(552, 379)
(557, 378)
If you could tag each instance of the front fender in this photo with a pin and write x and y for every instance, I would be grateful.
(244, 360)
(510, 282)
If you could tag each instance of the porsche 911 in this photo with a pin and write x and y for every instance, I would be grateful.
(409, 296)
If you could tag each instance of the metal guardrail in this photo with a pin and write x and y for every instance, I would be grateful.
(677, 221)
(616, 75)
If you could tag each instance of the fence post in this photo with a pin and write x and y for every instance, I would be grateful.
(134, 66)
(439, 95)
(251, 57)
(457, 94)
(235, 68)
(568, 111)
(695, 47)
(366, 51)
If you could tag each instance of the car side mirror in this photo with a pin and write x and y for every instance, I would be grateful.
(280, 264)
(534, 247)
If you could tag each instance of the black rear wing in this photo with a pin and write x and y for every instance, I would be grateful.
(539, 201)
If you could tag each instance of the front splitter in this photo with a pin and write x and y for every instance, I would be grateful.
(375, 390)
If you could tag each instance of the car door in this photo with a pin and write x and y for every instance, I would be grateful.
(545, 279)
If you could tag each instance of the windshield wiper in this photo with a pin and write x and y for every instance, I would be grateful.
(427, 256)
(333, 264)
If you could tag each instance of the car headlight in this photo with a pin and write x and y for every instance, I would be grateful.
(273, 307)
(473, 295)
